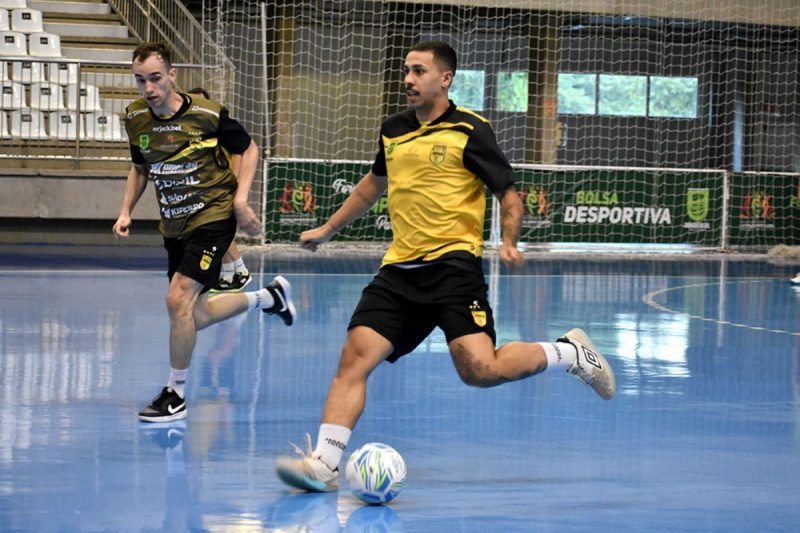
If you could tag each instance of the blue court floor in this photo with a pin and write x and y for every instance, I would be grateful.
(704, 434)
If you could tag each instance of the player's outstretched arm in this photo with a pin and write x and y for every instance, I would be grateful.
(365, 193)
(134, 187)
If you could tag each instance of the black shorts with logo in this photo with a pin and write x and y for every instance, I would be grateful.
(198, 255)
(404, 305)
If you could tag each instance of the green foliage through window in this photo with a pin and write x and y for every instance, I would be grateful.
(512, 91)
(622, 95)
(467, 89)
(673, 97)
(576, 94)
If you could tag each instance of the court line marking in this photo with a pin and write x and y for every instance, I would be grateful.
(649, 299)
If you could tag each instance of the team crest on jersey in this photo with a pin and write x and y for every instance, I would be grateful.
(437, 154)
(390, 148)
(144, 141)
(478, 314)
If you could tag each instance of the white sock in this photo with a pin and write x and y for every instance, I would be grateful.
(260, 299)
(239, 266)
(559, 354)
(227, 271)
(177, 380)
(331, 443)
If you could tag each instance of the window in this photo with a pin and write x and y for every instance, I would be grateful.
(673, 97)
(622, 95)
(576, 94)
(467, 89)
(512, 91)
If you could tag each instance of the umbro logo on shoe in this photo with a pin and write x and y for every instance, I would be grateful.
(592, 358)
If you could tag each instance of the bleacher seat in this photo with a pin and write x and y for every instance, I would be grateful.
(27, 20)
(12, 95)
(103, 127)
(46, 96)
(28, 124)
(62, 73)
(65, 125)
(4, 21)
(4, 71)
(27, 71)
(13, 4)
(89, 98)
(13, 43)
(44, 45)
(3, 125)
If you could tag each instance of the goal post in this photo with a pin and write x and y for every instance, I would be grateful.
(644, 123)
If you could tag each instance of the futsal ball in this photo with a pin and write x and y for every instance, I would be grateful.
(375, 473)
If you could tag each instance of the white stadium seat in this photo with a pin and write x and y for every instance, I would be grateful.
(3, 125)
(103, 127)
(13, 4)
(62, 73)
(4, 71)
(44, 45)
(27, 20)
(12, 95)
(13, 43)
(4, 21)
(89, 98)
(28, 124)
(46, 96)
(27, 71)
(65, 125)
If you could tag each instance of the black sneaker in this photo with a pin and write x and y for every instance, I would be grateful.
(164, 407)
(281, 291)
(235, 284)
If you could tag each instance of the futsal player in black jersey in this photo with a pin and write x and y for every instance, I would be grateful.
(434, 159)
(177, 142)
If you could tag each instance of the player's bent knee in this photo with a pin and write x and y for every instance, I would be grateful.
(475, 378)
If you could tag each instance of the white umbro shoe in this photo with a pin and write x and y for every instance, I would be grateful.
(308, 472)
(796, 280)
(590, 367)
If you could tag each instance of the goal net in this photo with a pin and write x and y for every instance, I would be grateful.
(653, 122)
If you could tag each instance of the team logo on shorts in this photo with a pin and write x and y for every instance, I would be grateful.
(478, 314)
(437, 154)
(205, 261)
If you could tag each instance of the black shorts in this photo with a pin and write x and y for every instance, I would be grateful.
(404, 305)
(198, 255)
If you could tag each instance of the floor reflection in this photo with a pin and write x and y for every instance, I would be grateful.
(707, 421)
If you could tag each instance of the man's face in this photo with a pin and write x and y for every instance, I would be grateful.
(426, 83)
(156, 82)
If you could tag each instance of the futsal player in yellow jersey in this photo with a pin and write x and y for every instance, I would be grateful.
(435, 160)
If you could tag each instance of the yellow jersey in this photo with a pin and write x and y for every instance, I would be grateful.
(436, 175)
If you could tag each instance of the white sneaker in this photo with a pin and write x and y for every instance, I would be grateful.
(308, 472)
(590, 367)
(796, 280)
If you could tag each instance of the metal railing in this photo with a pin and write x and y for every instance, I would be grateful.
(71, 110)
(170, 22)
